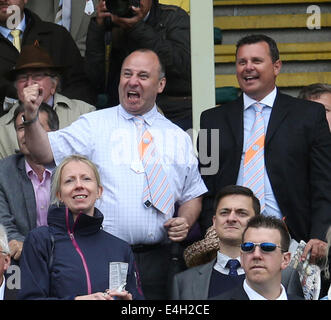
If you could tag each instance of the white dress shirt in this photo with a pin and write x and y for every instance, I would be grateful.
(108, 137)
(253, 295)
(2, 288)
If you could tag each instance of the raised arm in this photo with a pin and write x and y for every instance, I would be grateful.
(35, 136)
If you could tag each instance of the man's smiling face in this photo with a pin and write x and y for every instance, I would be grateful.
(256, 73)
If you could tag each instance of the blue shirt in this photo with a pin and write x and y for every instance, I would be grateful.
(271, 205)
(108, 137)
(6, 32)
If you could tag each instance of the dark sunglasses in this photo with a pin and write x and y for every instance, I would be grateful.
(265, 246)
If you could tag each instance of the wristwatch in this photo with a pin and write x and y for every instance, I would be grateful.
(28, 122)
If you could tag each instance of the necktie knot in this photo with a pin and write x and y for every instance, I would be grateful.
(138, 121)
(233, 265)
(258, 107)
(16, 38)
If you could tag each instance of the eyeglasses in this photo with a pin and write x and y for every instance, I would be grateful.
(248, 247)
(34, 76)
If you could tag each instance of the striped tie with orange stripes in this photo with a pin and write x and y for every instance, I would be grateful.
(157, 191)
(254, 157)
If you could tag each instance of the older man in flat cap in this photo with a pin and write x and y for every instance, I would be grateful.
(34, 65)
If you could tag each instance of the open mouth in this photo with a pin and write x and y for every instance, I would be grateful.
(250, 78)
(80, 196)
(133, 95)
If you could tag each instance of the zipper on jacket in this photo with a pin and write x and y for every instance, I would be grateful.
(75, 244)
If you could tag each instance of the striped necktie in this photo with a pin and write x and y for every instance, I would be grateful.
(17, 41)
(58, 16)
(254, 157)
(157, 191)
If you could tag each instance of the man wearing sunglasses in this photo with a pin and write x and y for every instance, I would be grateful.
(264, 254)
(234, 207)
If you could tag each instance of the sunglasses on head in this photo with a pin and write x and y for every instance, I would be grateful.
(265, 246)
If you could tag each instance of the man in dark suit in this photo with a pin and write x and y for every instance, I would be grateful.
(264, 254)
(234, 206)
(295, 148)
(24, 184)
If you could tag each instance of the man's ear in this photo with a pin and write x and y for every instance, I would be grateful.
(286, 260)
(162, 83)
(277, 67)
(7, 261)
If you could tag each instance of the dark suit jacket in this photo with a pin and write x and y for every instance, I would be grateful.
(47, 10)
(297, 159)
(193, 283)
(17, 199)
(239, 293)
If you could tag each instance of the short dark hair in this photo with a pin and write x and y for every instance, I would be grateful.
(237, 190)
(53, 119)
(314, 91)
(270, 222)
(256, 38)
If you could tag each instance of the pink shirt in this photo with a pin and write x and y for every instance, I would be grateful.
(42, 191)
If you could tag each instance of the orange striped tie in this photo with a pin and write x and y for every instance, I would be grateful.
(157, 190)
(254, 157)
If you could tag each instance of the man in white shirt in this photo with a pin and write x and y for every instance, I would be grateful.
(109, 137)
(264, 254)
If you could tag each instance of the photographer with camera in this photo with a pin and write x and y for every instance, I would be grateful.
(122, 26)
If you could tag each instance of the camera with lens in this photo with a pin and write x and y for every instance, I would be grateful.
(122, 8)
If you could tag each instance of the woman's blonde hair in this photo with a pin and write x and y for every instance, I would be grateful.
(56, 179)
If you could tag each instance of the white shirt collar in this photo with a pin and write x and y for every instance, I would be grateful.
(2, 288)
(253, 295)
(148, 116)
(267, 100)
(222, 260)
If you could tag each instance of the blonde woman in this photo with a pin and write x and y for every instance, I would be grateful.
(70, 259)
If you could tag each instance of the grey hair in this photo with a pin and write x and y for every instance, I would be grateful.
(4, 240)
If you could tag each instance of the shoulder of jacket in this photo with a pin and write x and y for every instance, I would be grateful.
(11, 161)
(169, 7)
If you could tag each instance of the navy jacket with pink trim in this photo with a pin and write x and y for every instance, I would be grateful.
(77, 262)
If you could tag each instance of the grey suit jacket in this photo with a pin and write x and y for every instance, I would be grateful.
(17, 199)
(46, 10)
(193, 284)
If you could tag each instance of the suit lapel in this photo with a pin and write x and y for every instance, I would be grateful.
(77, 16)
(201, 285)
(279, 111)
(239, 293)
(235, 120)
